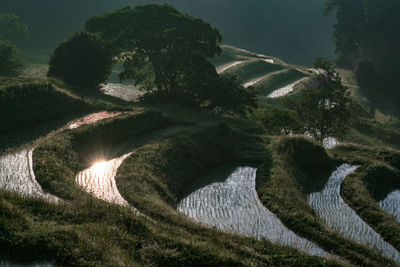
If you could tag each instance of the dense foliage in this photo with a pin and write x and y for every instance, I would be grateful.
(11, 29)
(168, 57)
(367, 40)
(10, 64)
(82, 60)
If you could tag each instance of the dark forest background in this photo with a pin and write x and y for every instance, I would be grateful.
(296, 31)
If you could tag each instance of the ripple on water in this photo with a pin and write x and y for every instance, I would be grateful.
(123, 91)
(16, 170)
(339, 216)
(233, 205)
(99, 180)
(16, 175)
(391, 204)
(285, 90)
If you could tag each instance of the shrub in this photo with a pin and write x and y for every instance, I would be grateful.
(82, 60)
(10, 64)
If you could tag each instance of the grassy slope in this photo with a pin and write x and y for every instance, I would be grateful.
(84, 223)
(377, 175)
(298, 168)
(31, 108)
(159, 174)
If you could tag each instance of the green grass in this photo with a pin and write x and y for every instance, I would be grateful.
(298, 167)
(279, 80)
(55, 169)
(153, 179)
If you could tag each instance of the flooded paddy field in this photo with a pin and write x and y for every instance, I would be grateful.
(339, 216)
(99, 180)
(16, 175)
(123, 91)
(285, 90)
(16, 169)
(391, 204)
(233, 205)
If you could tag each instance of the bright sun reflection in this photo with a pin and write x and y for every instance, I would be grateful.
(99, 167)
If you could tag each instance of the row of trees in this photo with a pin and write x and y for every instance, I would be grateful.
(368, 40)
(166, 53)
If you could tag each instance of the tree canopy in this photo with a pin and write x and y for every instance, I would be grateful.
(158, 35)
(10, 64)
(82, 60)
(168, 53)
(11, 29)
(368, 40)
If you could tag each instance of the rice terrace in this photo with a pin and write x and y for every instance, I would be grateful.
(199, 133)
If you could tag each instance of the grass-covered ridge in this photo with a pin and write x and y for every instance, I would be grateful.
(377, 176)
(300, 166)
(100, 233)
(55, 169)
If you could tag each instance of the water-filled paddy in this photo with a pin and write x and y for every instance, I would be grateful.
(233, 205)
(339, 216)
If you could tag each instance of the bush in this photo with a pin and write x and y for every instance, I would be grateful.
(10, 64)
(82, 60)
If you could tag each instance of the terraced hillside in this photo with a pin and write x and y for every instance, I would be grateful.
(270, 76)
(99, 180)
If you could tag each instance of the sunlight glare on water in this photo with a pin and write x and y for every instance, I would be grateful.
(99, 167)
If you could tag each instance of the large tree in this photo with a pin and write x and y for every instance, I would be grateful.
(324, 107)
(156, 35)
(168, 54)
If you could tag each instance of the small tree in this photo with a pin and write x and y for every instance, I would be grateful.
(82, 60)
(324, 107)
(10, 64)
